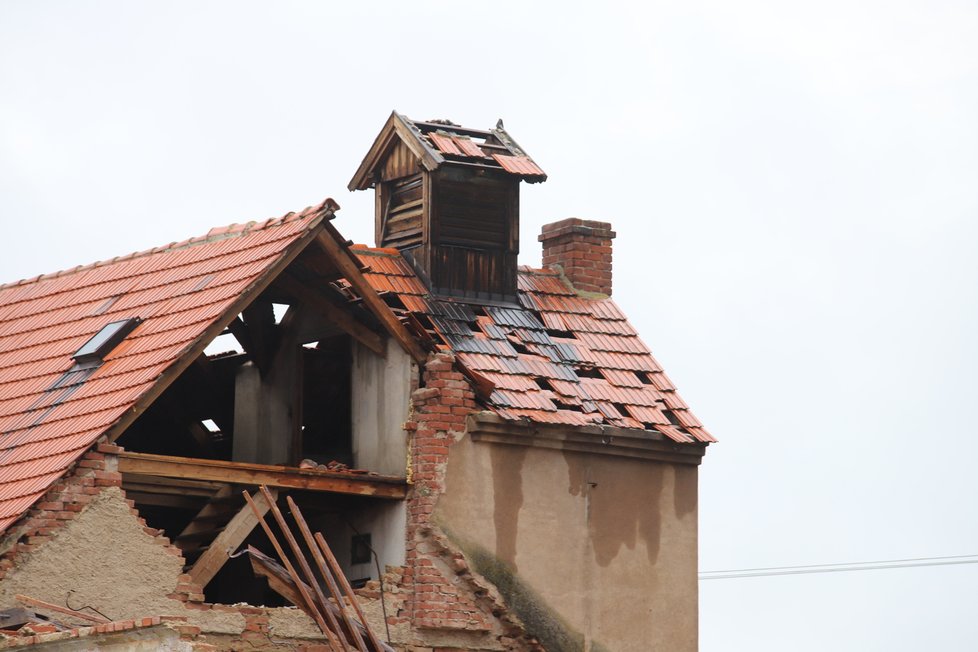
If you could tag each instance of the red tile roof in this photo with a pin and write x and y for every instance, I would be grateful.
(556, 358)
(50, 411)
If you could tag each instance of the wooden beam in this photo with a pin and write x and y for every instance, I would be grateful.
(214, 508)
(47, 606)
(329, 239)
(233, 535)
(260, 319)
(337, 315)
(165, 466)
(280, 582)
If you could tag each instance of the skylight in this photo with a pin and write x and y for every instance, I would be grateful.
(100, 344)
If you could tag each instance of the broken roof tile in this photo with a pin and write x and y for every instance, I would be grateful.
(558, 332)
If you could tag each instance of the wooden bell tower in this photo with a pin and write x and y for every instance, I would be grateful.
(448, 198)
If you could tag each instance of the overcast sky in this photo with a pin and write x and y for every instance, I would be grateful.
(794, 191)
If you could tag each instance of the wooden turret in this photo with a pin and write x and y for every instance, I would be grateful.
(448, 198)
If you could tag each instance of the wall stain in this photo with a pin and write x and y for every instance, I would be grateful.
(684, 493)
(619, 512)
(539, 619)
(507, 487)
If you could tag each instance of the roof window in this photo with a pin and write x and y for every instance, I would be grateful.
(100, 344)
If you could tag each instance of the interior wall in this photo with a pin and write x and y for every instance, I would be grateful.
(381, 395)
(602, 549)
(267, 409)
(386, 523)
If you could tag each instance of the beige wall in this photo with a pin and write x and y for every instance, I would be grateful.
(104, 559)
(595, 551)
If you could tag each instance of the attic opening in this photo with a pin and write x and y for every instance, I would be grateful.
(295, 405)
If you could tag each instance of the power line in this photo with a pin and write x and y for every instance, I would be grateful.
(881, 564)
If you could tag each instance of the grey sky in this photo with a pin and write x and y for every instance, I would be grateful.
(793, 187)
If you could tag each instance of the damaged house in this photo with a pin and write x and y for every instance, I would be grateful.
(492, 453)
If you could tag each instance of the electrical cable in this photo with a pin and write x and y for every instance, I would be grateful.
(881, 564)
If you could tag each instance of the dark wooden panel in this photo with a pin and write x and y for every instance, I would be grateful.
(473, 273)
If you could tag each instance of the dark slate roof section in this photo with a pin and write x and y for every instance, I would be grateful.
(557, 358)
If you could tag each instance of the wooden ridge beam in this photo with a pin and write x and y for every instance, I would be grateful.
(256, 474)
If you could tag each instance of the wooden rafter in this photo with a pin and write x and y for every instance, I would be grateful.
(330, 241)
(334, 313)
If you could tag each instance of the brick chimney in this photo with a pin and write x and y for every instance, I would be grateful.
(582, 248)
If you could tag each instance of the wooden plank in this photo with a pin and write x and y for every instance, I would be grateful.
(306, 570)
(325, 573)
(47, 606)
(335, 567)
(330, 241)
(161, 500)
(333, 313)
(307, 599)
(234, 534)
(193, 351)
(164, 466)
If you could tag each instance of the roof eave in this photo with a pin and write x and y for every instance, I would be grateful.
(592, 439)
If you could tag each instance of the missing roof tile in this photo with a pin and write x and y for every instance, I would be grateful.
(588, 372)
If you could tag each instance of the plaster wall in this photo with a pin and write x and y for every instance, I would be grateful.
(381, 395)
(103, 557)
(595, 552)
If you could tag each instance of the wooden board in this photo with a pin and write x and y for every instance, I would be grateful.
(233, 535)
(164, 466)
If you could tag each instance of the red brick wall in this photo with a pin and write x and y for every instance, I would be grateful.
(582, 248)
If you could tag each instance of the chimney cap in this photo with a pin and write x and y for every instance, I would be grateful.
(576, 226)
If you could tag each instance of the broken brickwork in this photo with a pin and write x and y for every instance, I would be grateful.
(444, 593)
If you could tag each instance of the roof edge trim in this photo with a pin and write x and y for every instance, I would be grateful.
(594, 440)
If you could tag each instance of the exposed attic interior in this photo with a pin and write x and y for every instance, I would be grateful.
(284, 396)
